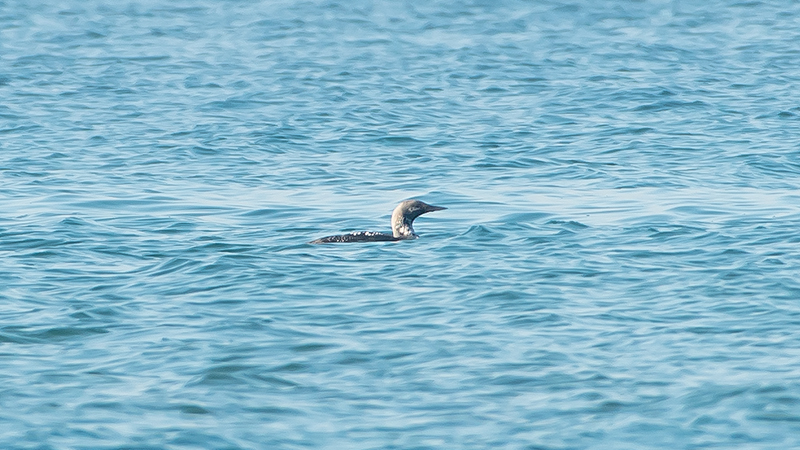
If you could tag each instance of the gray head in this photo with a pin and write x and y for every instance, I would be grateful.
(405, 213)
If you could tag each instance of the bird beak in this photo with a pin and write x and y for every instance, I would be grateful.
(431, 208)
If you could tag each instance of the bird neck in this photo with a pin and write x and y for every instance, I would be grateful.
(402, 229)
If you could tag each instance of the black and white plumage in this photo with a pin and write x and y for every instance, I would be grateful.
(402, 219)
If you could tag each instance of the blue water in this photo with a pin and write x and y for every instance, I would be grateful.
(617, 267)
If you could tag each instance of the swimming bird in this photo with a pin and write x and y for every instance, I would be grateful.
(402, 218)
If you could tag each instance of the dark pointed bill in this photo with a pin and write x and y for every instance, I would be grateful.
(430, 208)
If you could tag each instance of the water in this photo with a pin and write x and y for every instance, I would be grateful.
(617, 267)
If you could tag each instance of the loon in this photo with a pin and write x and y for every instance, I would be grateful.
(402, 218)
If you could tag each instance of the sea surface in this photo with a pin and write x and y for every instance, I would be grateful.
(618, 266)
